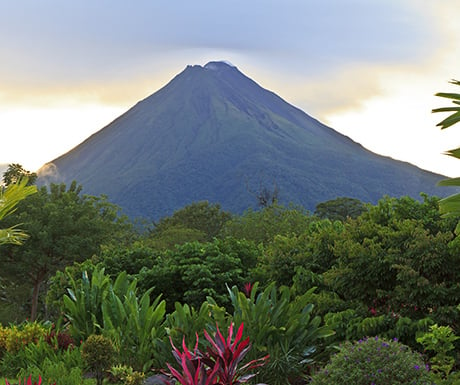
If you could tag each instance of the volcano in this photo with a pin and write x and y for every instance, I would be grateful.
(214, 134)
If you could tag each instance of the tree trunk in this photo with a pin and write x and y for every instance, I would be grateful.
(38, 280)
(35, 291)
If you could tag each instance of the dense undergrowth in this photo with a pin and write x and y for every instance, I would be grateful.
(305, 288)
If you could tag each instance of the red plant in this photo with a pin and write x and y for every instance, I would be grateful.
(219, 365)
(194, 371)
(229, 354)
(247, 289)
(29, 381)
(60, 340)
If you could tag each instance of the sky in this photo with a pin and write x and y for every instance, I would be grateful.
(367, 68)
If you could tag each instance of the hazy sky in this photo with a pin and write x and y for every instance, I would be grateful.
(367, 68)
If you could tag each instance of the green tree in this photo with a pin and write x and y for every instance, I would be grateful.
(451, 204)
(310, 250)
(15, 172)
(340, 209)
(197, 221)
(64, 226)
(263, 225)
(191, 272)
(10, 197)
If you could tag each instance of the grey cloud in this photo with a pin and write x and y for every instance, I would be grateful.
(70, 42)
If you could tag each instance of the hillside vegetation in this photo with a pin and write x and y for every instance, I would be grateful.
(301, 283)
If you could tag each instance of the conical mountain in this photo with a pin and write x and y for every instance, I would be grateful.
(214, 134)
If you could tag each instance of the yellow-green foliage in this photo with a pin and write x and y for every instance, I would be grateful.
(127, 375)
(14, 338)
(3, 337)
(135, 378)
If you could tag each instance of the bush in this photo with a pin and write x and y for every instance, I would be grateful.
(98, 353)
(374, 361)
(126, 375)
(54, 373)
(15, 338)
(282, 325)
(35, 355)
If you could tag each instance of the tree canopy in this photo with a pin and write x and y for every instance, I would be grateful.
(16, 172)
(63, 226)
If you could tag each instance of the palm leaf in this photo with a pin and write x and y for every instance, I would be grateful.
(9, 199)
(448, 95)
(455, 153)
(449, 121)
(455, 98)
(450, 206)
(449, 182)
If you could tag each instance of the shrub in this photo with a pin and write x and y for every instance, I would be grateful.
(54, 372)
(34, 356)
(98, 353)
(135, 378)
(282, 325)
(220, 364)
(440, 340)
(59, 339)
(126, 375)
(17, 337)
(374, 361)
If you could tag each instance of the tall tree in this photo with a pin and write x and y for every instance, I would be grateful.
(451, 204)
(16, 172)
(203, 217)
(340, 209)
(64, 227)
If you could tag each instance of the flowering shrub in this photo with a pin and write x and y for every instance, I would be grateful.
(374, 361)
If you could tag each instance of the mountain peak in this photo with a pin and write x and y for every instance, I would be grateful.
(215, 65)
(214, 134)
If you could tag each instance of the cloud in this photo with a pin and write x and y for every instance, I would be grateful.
(54, 42)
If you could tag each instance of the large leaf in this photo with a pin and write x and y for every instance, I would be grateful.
(450, 206)
(9, 199)
(449, 182)
(455, 98)
(455, 153)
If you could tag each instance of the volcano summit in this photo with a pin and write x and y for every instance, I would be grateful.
(214, 134)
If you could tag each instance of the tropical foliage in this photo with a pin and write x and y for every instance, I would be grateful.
(451, 204)
(10, 196)
(301, 285)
